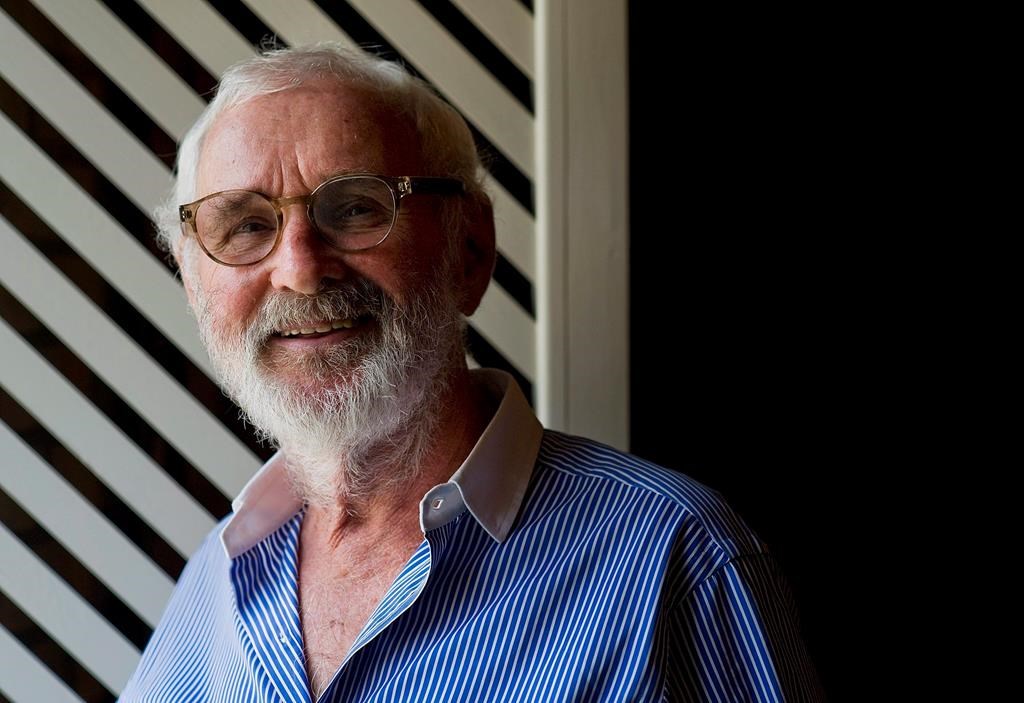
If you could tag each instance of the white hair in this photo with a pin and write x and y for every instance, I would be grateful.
(363, 417)
(446, 143)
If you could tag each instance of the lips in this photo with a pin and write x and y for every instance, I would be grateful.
(321, 327)
(317, 328)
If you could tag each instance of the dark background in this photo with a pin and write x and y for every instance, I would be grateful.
(754, 356)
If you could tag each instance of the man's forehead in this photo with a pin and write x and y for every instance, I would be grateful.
(322, 130)
(346, 112)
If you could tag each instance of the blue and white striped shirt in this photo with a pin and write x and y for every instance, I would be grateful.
(552, 568)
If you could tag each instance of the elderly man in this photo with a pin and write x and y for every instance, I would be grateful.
(419, 536)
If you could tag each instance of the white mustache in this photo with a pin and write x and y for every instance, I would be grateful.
(290, 310)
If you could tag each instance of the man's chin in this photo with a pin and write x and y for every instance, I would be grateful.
(312, 383)
(315, 366)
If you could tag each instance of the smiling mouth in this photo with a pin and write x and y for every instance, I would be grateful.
(315, 329)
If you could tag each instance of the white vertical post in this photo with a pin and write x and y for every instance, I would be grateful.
(551, 387)
(583, 218)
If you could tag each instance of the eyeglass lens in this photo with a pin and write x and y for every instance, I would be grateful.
(241, 227)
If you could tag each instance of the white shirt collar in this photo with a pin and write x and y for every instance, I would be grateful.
(490, 483)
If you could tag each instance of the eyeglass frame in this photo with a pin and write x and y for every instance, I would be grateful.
(400, 186)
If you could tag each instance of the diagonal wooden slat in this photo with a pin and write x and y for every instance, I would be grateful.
(82, 529)
(457, 74)
(299, 21)
(25, 679)
(209, 38)
(508, 24)
(115, 358)
(515, 230)
(127, 61)
(116, 152)
(99, 239)
(100, 445)
(508, 328)
(62, 613)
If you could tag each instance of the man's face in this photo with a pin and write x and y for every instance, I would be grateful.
(312, 392)
(287, 144)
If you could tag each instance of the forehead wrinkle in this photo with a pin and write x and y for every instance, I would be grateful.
(286, 144)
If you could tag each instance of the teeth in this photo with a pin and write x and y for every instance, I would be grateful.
(319, 329)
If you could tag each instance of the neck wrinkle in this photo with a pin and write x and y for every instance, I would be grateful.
(461, 417)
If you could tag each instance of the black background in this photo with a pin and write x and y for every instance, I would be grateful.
(756, 361)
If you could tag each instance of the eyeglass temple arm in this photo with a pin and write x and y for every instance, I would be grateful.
(430, 186)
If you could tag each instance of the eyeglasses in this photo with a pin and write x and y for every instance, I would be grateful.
(351, 212)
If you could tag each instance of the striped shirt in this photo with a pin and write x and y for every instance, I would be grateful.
(552, 568)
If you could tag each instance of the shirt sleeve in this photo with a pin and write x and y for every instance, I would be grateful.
(735, 637)
(178, 647)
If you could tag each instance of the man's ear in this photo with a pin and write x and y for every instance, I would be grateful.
(479, 252)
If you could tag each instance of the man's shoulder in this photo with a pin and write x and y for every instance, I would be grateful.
(589, 459)
(678, 497)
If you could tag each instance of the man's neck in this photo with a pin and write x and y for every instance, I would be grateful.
(346, 565)
(463, 415)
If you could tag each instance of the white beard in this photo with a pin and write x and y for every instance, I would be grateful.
(355, 421)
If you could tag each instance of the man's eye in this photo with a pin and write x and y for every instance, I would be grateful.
(354, 209)
(251, 227)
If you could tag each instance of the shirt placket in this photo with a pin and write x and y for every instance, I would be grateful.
(400, 597)
(267, 600)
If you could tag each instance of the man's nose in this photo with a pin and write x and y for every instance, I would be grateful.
(303, 260)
